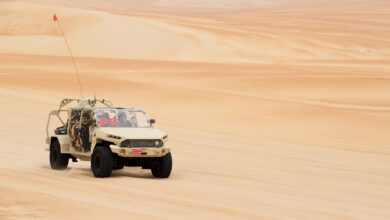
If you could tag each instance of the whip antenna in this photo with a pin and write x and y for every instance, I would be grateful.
(70, 52)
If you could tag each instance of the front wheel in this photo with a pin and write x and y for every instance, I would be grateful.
(101, 162)
(58, 161)
(163, 167)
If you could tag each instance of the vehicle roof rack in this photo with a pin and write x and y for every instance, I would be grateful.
(82, 102)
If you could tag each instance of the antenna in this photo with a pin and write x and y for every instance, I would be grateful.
(70, 52)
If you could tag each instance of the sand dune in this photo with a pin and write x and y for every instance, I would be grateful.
(271, 35)
(277, 111)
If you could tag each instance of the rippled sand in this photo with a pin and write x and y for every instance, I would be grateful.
(276, 111)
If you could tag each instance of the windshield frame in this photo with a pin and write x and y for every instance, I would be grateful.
(112, 122)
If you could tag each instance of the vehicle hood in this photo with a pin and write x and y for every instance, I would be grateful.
(133, 133)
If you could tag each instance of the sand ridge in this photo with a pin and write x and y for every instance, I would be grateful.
(277, 34)
(279, 111)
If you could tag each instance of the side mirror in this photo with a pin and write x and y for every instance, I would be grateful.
(152, 121)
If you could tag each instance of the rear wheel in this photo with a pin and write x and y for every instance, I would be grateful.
(163, 167)
(58, 161)
(101, 162)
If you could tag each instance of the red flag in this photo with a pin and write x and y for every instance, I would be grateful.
(55, 17)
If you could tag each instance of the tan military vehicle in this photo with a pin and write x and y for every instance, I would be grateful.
(109, 137)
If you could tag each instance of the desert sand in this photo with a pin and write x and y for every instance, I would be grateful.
(274, 109)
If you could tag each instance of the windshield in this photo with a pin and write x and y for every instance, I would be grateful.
(121, 118)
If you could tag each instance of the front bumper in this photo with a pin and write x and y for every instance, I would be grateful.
(140, 152)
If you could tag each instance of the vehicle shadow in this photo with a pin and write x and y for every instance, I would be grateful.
(125, 172)
(128, 172)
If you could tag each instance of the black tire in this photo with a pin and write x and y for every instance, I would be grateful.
(163, 167)
(101, 162)
(58, 161)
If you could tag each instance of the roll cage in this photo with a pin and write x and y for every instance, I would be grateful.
(82, 102)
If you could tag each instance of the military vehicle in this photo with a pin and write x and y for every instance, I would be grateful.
(110, 137)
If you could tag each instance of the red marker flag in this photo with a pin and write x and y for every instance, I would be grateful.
(55, 17)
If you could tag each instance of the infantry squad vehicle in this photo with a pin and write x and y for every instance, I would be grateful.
(110, 137)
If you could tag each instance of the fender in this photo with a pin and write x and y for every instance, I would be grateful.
(64, 141)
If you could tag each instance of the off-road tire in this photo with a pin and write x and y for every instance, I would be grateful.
(101, 162)
(58, 161)
(163, 167)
